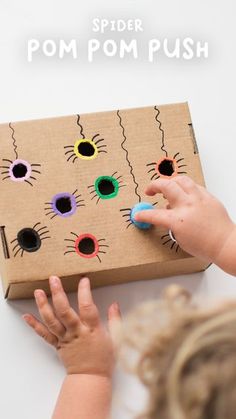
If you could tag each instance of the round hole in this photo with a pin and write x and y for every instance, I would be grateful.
(29, 239)
(86, 149)
(106, 187)
(19, 170)
(166, 167)
(86, 245)
(64, 204)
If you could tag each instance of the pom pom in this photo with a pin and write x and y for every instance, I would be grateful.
(140, 207)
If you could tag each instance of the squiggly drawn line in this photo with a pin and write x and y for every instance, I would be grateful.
(162, 131)
(127, 158)
(14, 140)
(81, 128)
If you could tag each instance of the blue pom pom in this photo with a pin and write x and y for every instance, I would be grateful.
(139, 207)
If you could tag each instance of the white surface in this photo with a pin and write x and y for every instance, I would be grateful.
(30, 372)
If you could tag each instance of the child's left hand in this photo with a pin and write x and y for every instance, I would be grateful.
(82, 342)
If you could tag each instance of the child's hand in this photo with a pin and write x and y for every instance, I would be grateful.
(199, 222)
(83, 344)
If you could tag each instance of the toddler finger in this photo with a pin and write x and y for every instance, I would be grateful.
(113, 315)
(187, 184)
(47, 314)
(87, 309)
(169, 188)
(41, 329)
(155, 187)
(160, 217)
(64, 312)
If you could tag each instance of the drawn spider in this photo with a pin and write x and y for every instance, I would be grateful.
(127, 213)
(19, 170)
(167, 238)
(29, 239)
(85, 148)
(64, 204)
(85, 245)
(166, 167)
(106, 187)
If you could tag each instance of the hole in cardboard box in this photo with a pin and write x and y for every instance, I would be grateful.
(106, 187)
(166, 167)
(63, 204)
(86, 246)
(19, 170)
(29, 239)
(86, 148)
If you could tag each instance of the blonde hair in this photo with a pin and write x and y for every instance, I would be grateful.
(185, 356)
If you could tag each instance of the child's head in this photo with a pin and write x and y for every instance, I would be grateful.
(185, 356)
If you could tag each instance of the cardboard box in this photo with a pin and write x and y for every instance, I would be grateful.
(68, 186)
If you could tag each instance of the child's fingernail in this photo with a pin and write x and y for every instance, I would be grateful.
(39, 295)
(28, 319)
(115, 305)
(54, 282)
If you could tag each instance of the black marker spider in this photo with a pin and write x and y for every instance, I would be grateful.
(167, 238)
(106, 187)
(166, 167)
(85, 245)
(85, 148)
(19, 170)
(64, 204)
(29, 239)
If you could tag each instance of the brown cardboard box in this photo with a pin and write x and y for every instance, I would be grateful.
(68, 186)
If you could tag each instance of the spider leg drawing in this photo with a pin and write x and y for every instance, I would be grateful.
(20, 170)
(64, 204)
(86, 245)
(167, 167)
(106, 187)
(85, 148)
(168, 241)
(29, 239)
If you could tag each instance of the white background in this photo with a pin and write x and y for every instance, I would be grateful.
(30, 374)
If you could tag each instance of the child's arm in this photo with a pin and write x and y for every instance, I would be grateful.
(199, 222)
(84, 397)
(84, 347)
(226, 259)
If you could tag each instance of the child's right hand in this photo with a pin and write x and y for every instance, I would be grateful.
(199, 222)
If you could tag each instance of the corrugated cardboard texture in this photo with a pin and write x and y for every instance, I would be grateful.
(126, 145)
